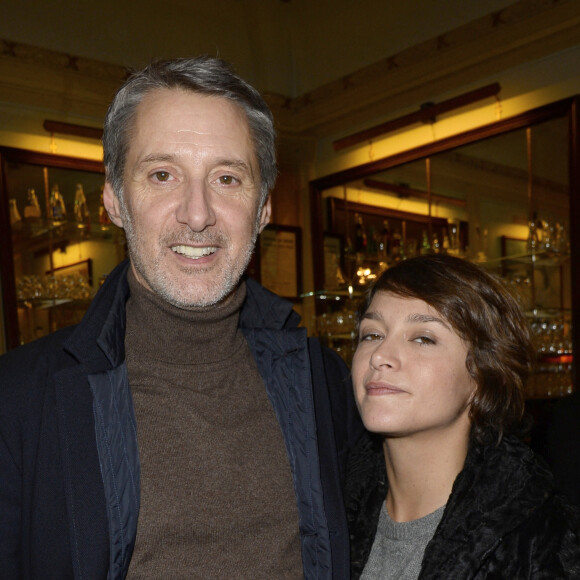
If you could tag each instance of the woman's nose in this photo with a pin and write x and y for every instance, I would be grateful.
(385, 355)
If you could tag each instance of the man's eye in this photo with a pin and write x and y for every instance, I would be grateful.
(162, 175)
(227, 180)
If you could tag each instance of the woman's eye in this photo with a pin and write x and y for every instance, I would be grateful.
(424, 340)
(162, 175)
(369, 337)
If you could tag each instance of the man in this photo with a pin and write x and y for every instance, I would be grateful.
(186, 428)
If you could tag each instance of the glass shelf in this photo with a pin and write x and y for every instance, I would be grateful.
(536, 259)
(333, 294)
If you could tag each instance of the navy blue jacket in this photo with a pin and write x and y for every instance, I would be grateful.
(69, 461)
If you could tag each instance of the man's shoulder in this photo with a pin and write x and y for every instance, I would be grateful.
(30, 358)
(25, 376)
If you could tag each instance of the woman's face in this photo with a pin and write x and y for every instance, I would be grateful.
(409, 370)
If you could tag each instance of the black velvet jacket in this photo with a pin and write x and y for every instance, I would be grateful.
(502, 521)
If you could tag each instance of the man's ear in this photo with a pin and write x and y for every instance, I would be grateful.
(112, 205)
(266, 214)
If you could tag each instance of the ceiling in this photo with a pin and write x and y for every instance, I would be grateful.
(325, 66)
(284, 47)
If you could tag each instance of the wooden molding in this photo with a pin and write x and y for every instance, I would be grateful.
(522, 32)
(72, 129)
(427, 113)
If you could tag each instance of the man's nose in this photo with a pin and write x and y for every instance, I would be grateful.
(195, 207)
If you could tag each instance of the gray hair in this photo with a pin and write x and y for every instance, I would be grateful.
(204, 75)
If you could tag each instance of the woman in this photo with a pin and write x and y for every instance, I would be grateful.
(443, 488)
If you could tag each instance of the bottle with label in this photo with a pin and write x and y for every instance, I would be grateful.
(372, 244)
(56, 205)
(425, 243)
(360, 236)
(534, 239)
(385, 242)
(435, 243)
(32, 207)
(81, 210)
(445, 245)
(397, 250)
(104, 219)
(14, 213)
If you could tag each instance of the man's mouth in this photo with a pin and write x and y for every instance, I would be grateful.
(194, 252)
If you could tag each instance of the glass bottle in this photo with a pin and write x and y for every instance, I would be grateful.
(104, 219)
(385, 242)
(14, 213)
(32, 207)
(454, 243)
(360, 236)
(397, 250)
(425, 244)
(56, 204)
(435, 244)
(446, 244)
(372, 244)
(533, 243)
(81, 210)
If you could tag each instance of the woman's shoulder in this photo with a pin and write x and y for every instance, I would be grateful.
(553, 533)
(504, 514)
(524, 511)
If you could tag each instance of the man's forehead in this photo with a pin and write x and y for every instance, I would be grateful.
(171, 97)
(181, 116)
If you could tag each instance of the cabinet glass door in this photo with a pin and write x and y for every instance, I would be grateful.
(505, 196)
(57, 241)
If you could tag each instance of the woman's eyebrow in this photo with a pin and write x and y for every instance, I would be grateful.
(422, 318)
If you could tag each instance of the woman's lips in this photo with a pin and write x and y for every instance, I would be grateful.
(375, 389)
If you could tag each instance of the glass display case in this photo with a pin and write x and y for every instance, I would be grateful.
(505, 196)
(57, 243)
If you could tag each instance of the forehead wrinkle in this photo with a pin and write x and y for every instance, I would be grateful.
(156, 157)
(172, 157)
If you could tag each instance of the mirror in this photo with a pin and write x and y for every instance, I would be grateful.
(504, 195)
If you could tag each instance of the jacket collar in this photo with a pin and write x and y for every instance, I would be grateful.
(496, 493)
(99, 338)
(497, 490)
(264, 309)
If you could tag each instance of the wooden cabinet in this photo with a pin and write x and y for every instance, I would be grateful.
(56, 242)
(506, 195)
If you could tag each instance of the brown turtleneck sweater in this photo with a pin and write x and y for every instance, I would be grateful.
(217, 498)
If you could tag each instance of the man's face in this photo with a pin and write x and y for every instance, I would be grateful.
(191, 197)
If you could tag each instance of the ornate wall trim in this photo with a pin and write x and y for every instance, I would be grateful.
(523, 32)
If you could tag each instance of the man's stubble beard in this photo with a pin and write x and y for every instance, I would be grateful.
(152, 272)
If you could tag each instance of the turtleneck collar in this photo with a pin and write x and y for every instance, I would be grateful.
(163, 332)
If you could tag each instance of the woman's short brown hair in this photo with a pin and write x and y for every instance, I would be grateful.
(485, 315)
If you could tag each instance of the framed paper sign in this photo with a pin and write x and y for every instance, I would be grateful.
(278, 256)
